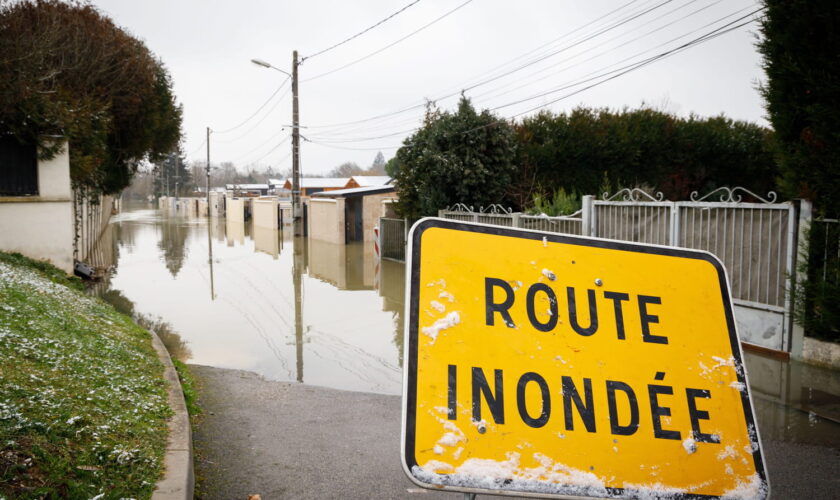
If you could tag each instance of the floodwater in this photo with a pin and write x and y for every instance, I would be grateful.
(306, 311)
(332, 315)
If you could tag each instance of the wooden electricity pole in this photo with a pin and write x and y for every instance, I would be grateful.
(296, 207)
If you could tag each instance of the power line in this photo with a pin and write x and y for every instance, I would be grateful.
(270, 151)
(355, 61)
(611, 75)
(451, 94)
(530, 82)
(254, 150)
(621, 71)
(332, 146)
(339, 136)
(199, 148)
(359, 33)
(337, 133)
(254, 127)
(263, 105)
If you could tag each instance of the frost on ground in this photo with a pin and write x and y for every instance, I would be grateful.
(82, 397)
(443, 323)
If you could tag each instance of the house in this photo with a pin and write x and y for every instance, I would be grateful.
(347, 215)
(36, 204)
(312, 185)
(368, 181)
(276, 187)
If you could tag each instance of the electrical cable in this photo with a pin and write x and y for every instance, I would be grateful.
(334, 134)
(586, 38)
(717, 32)
(274, 148)
(199, 148)
(355, 61)
(642, 63)
(359, 33)
(567, 85)
(263, 105)
(530, 82)
(268, 113)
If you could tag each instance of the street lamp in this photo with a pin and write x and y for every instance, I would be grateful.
(260, 62)
(296, 209)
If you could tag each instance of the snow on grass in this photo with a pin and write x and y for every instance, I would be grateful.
(83, 403)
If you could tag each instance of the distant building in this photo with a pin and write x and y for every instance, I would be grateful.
(312, 185)
(247, 189)
(347, 215)
(368, 180)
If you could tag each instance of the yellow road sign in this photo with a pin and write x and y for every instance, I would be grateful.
(563, 366)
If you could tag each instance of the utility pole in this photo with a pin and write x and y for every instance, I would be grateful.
(177, 173)
(208, 172)
(296, 207)
(209, 222)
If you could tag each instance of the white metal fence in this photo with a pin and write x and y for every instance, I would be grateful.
(500, 216)
(755, 240)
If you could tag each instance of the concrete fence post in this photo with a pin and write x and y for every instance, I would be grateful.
(800, 260)
(517, 219)
(674, 226)
(587, 211)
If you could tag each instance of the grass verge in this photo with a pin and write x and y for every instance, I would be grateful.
(189, 388)
(83, 403)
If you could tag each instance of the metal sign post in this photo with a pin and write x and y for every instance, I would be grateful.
(540, 364)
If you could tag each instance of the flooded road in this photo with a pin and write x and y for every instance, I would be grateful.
(342, 329)
(331, 315)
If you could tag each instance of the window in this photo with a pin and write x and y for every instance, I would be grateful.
(18, 168)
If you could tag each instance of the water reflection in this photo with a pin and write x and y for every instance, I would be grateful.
(172, 245)
(794, 401)
(286, 308)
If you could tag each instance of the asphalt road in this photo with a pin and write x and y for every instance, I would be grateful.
(282, 440)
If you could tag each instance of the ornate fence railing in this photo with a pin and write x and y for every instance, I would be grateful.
(754, 236)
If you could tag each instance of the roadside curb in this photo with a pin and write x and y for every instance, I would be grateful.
(178, 481)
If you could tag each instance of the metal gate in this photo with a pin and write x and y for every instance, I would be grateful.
(392, 238)
(756, 241)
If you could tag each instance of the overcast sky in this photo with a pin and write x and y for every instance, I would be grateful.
(534, 51)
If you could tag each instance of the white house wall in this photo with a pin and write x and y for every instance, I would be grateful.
(41, 227)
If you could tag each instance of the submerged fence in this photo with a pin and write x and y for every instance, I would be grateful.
(392, 236)
(92, 214)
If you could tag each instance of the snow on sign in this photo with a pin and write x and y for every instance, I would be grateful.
(546, 364)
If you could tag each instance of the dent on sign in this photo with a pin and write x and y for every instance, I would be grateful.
(549, 364)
